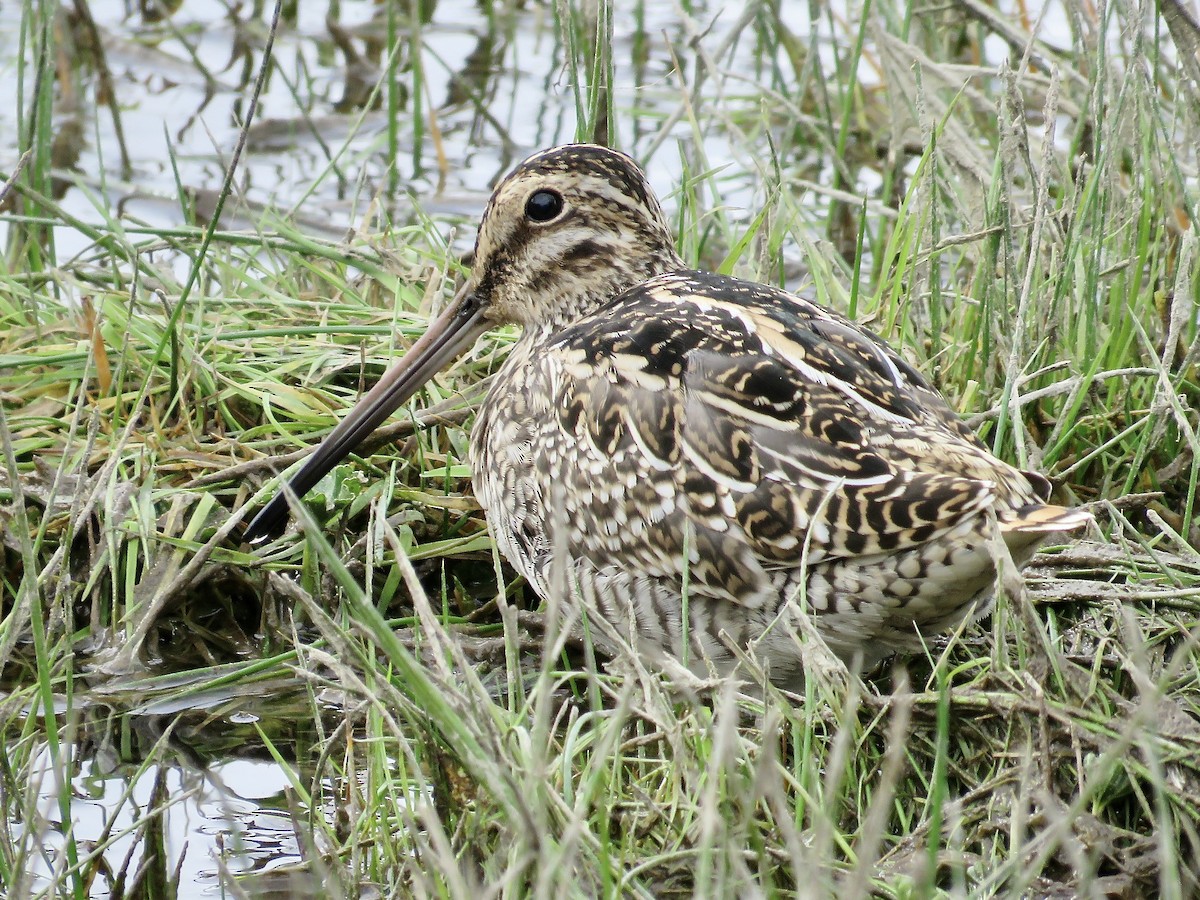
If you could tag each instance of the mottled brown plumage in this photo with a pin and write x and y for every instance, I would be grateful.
(662, 439)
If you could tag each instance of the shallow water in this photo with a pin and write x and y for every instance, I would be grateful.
(496, 89)
(173, 792)
(229, 820)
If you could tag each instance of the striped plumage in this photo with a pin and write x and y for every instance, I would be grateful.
(659, 431)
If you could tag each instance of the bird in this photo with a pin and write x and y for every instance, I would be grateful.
(697, 462)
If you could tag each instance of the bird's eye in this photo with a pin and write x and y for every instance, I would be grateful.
(544, 206)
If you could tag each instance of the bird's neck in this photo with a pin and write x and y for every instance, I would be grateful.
(581, 297)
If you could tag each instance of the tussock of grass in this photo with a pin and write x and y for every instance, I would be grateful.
(1026, 234)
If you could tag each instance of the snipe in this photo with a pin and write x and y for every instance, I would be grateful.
(693, 446)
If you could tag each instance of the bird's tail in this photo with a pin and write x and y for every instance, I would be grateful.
(1037, 519)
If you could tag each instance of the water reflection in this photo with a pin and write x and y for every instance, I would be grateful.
(215, 823)
(155, 808)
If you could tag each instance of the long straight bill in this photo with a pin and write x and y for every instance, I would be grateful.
(452, 333)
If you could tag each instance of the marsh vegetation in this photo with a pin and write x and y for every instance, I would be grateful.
(220, 222)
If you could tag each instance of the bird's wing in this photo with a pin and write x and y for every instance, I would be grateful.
(731, 429)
